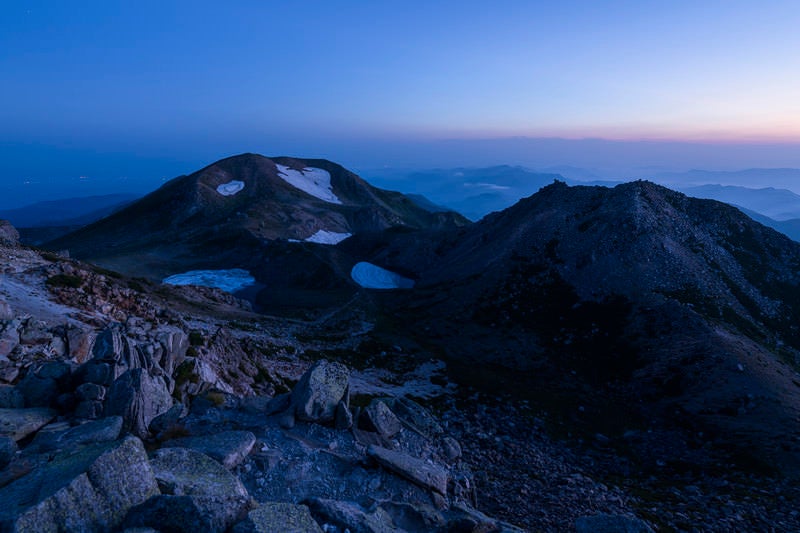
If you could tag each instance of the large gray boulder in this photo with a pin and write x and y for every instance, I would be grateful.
(217, 493)
(91, 489)
(137, 397)
(229, 448)
(319, 391)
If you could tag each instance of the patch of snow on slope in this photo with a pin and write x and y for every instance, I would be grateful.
(314, 181)
(371, 276)
(328, 237)
(230, 188)
(231, 280)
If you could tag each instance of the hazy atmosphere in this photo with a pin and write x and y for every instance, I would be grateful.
(423, 267)
(113, 97)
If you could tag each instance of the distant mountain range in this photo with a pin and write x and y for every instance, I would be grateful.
(477, 192)
(473, 192)
(786, 178)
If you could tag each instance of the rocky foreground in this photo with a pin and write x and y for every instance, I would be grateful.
(130, 406)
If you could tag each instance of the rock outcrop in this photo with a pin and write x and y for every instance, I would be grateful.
(89, 489)
(9, 236)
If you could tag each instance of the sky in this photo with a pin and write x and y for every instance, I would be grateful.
(118, 93)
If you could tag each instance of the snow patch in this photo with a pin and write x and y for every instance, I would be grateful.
(371, 276)
(231, 280)
(314, 181)
(230, 188)
(328, 237)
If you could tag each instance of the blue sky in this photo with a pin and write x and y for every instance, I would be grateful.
(142, 88)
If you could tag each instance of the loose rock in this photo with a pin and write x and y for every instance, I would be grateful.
(425, 474)
(319, 391)
(285, 517)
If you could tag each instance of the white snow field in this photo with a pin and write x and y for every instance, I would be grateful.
(230, 188)
(371, 276)
(314, 181)
(328, 237)
(231, 280)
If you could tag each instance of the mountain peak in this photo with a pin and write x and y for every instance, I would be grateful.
(237, 204)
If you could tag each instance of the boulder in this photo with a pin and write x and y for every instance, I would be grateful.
(319, 391)
(34, 332)
(138, 397)
(91, 489)
(216, 492)
(59, 371)
(174, 342)
(79, 344)
(379, 418)
(90, 391)
(169, 514)
(278, 403)
(109, 345)
(19, 423)
(349, 516)
(611, 523)
(194, 377)
(96, 431)
(272, 516)
(168, 420)
(96, 372)
(423, 473)
(41, 386)
(229, 448)
(414, 416)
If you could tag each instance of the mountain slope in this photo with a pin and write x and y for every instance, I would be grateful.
(648, 309)
(217, 216)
